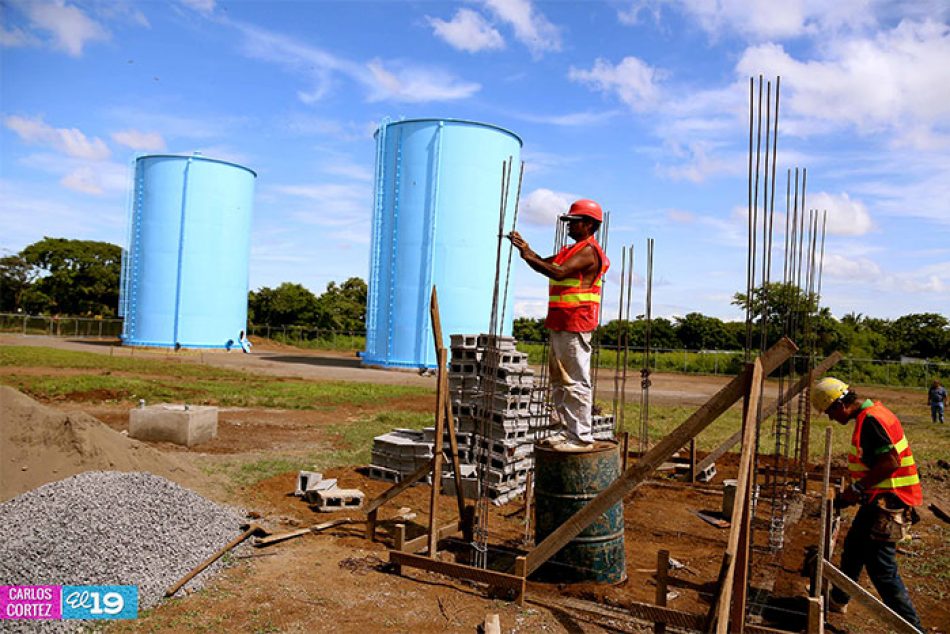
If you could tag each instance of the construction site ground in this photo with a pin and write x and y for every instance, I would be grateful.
(338, 581)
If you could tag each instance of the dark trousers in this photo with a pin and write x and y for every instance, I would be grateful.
(880, 559)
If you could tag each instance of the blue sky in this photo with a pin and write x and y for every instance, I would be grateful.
(639, 105)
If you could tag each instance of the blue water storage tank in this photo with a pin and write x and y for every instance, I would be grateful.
(438, 197)
(184, 275)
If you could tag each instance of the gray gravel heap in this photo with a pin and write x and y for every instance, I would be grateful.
(107, 527)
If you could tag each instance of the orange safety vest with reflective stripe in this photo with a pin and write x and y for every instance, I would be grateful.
(904, 482)
(574, 303)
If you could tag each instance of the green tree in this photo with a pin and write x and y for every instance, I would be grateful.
(342, 307)
(784, 307)
(696, 331)
(923, 335)
(287, 305)
(529, 330)
(16, 275)
(76, 277)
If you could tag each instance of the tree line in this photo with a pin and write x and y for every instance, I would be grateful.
(59, 276)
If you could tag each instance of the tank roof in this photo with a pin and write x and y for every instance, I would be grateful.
(450, 120)
(197, 157)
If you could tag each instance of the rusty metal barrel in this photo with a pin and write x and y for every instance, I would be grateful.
(564, 482)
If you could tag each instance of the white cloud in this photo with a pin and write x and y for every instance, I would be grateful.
(889, 82)
(531, 27)
(467, 31)
(415, 84)
(138, 140)
(205, 7)
(69, 27)
(836, 266)
(69, 141)
(571, 119)
(634, 81)
(846, 217)
(761, 19)
(401, 82)
(82, 179)
(331, 204)
(543, 206)
(17, 37)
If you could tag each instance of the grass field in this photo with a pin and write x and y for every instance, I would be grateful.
(122, 379)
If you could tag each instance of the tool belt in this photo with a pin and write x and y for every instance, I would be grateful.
(892, 524)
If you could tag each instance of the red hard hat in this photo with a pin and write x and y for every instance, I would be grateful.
(584, 208)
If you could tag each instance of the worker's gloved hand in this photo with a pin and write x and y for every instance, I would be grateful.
(849, 497)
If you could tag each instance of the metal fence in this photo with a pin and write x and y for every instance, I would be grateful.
(912, 373)
(83, 327)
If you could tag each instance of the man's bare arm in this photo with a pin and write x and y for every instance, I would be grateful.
(579, 263)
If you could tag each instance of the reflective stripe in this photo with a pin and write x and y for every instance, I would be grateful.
(901, 444)
(574, 298)
(894, 483)
(856, 466)
(569, 282)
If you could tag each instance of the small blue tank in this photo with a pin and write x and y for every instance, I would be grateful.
(185, 273)
(435, 222)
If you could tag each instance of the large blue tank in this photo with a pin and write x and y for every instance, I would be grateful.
(438, 197)
(185, 273)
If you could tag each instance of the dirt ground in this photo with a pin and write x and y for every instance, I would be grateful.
(338, 581)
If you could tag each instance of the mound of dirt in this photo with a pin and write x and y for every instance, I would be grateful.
(39, 444)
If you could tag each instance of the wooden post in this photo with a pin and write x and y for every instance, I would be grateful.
(371, 525)
(770, 410)
(816, 615)
(528, 494)
(662, 585)
(444, 387)
(626, 449)
(398, 544)
(437, 457)
(660, 453)
(521, 565)
(743, 487)
(388, 495)
(823, 527)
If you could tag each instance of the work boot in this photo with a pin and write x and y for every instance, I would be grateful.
(837, 608)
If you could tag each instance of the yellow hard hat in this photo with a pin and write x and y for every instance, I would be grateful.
(826, 392)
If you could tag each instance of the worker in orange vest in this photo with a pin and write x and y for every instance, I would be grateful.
(884, 481)
(576, 278)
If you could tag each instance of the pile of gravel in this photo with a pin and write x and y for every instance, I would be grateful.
(112, 528)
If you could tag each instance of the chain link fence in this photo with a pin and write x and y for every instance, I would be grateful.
(910, 373)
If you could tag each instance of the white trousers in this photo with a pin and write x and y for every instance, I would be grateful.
(569, 361)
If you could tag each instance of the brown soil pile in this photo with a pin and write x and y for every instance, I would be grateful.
(39, 444)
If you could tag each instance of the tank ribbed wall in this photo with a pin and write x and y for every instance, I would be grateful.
(185, 273)
(435, 222)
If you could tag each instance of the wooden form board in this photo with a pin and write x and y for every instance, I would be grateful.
(887, 616)
(630, 479)
(460, 571)
(771, 408)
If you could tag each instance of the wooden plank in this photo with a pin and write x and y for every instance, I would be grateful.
(520, 566)
(459, 571)
(770, 410)
(743, 487)
(823, 526)
(421, 543)
(398, 488)
(660, 453)
(492, 624)
(316, 528)
(449, 417)
(887, 616)
(441, 396)
(662, 585)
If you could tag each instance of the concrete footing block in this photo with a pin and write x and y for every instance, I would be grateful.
(339, 499)
(186, 425)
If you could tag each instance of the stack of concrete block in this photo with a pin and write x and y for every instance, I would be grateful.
(602, 426)
(399, 453)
